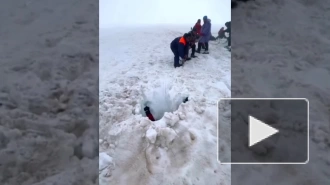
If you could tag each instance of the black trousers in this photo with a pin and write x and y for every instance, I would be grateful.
(176, 56)
(221, 37)
(199, 47)
(206, 44)
(229, 40)
(193, 49)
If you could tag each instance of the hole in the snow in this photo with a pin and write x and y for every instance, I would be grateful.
(158, 110)
(159, 102)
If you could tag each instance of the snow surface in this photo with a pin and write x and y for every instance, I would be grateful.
(48, 92)
(136, 66)
(281, 49)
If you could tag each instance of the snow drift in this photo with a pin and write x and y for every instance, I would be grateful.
(48, 92)
(282, 50)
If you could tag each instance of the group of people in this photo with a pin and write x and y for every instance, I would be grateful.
(180, 46)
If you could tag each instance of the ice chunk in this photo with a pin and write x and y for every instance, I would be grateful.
(151, 135)
(104, 160)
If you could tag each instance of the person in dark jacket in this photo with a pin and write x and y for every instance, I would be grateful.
(179, 47)
(192, 44)
(205, 36)
(198, 27)
(148, 113)
(228, 30)
(221, 33)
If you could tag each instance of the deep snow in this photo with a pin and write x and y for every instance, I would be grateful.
(281, 49)
(48, 92)
(136, 65)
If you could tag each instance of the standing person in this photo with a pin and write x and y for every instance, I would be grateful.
(228, 30)
(179, 47)
(198, 27)
(205, 36)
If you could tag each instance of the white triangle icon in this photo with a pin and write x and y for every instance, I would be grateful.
(259, 131)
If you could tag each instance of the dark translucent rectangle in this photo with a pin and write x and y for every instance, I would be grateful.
(49, 92)
(289, 117)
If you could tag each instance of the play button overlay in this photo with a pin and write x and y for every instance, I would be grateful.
(259, 131)
(263, 131)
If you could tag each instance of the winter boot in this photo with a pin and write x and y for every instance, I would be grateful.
(178, 66)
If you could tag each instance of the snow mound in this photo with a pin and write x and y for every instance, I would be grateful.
(179, 149)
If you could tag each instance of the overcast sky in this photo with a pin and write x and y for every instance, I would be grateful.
(163, 11)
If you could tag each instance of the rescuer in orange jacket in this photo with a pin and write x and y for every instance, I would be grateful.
(179, 46)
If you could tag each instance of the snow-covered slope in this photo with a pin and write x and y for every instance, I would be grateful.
(281, 49)
(136, 65)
